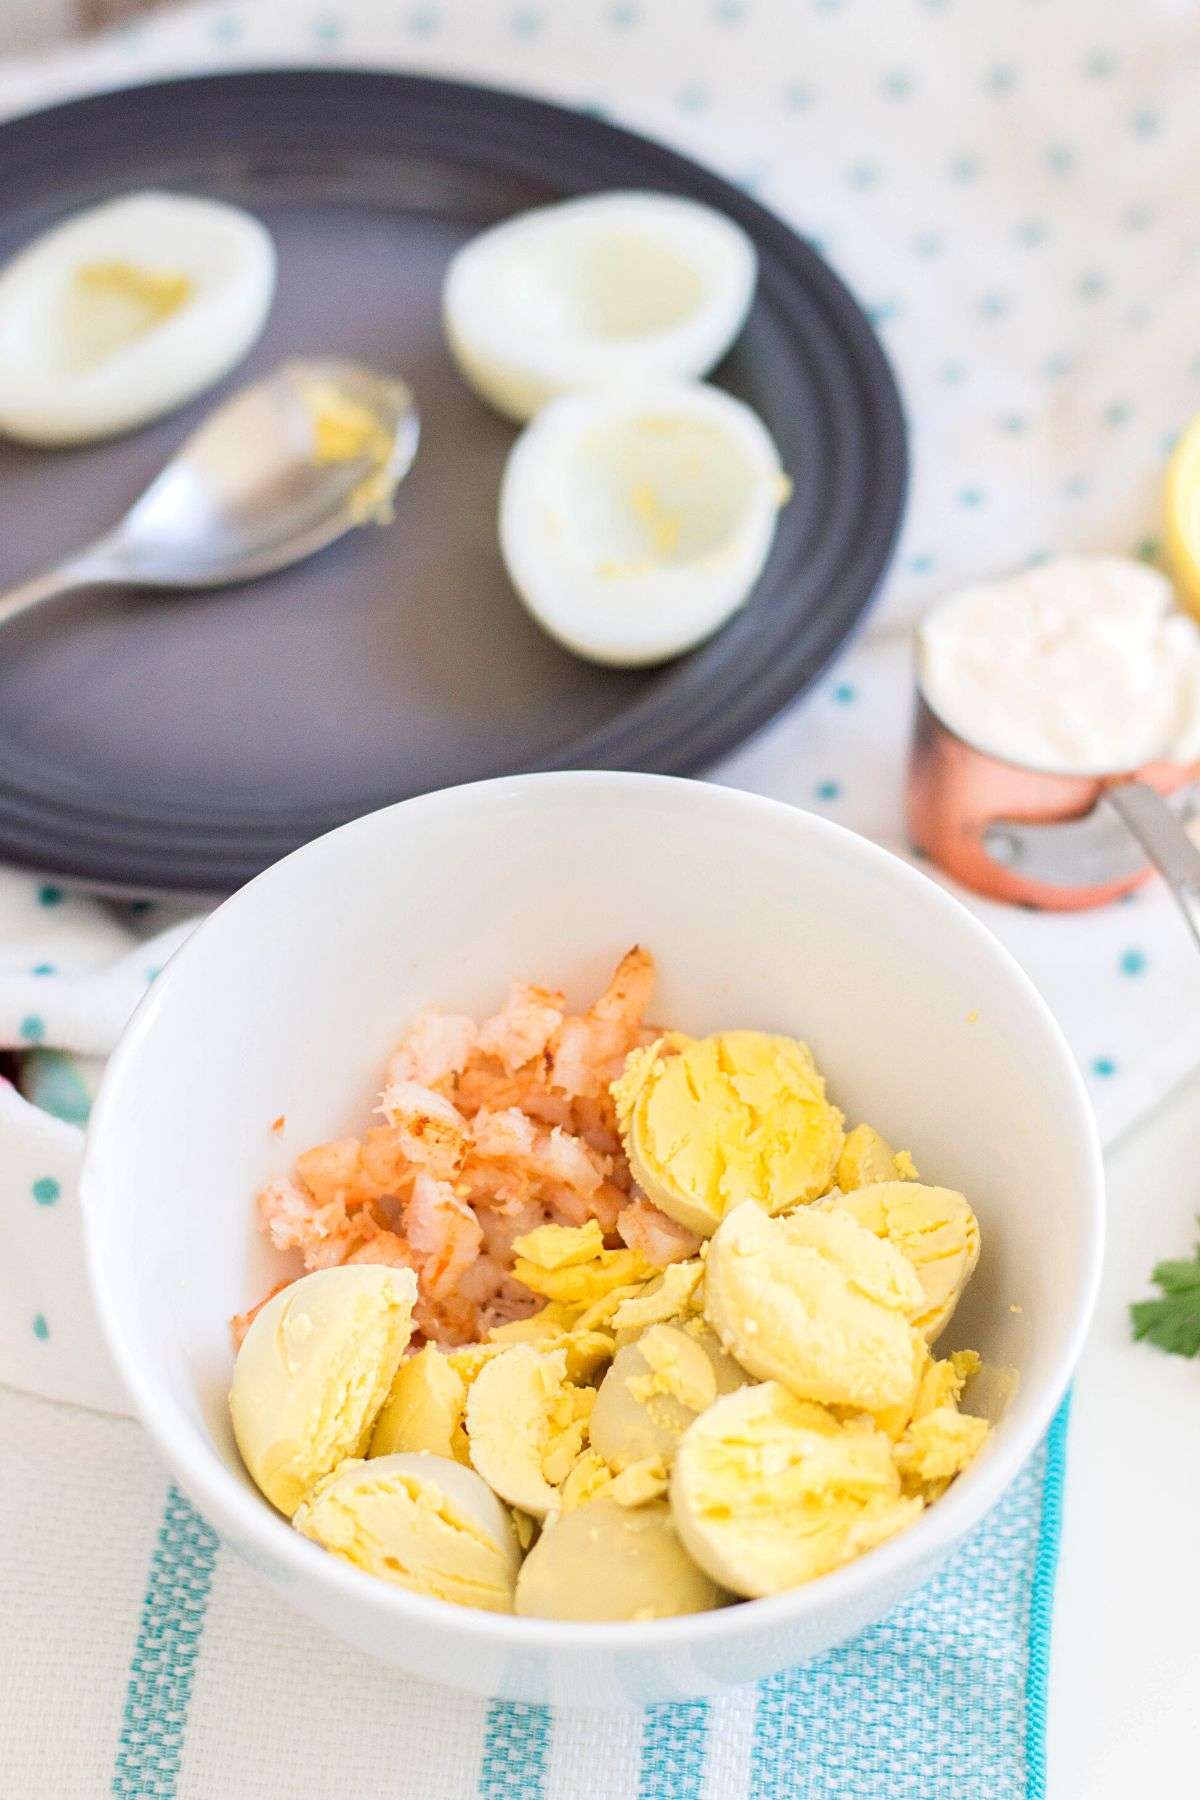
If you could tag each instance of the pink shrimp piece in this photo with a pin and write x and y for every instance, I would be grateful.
(576, 1184)
(569, 1161)
(443, 1231)
(523, 1027)
(451, 1321)
(497, 1170)
(430, 1132)
(590, 1048)
(506, 1136)
(628, 993)
(293, 1219)
(594, 1119)
(482, 1281)
(385, 1164)
(566, 1207)
(485, 1086)
(387, 1248)
(433, 1050)
(605, 1206)
(240, 1323)
(543, 1104)
(660, 1240)
(502, 1225)
(342, 1246)
(334, 1172)
(508, 1221)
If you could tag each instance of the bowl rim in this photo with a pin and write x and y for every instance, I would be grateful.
(250, 1518)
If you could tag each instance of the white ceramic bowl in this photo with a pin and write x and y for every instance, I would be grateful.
(288, 999)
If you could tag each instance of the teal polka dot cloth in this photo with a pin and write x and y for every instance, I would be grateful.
(1009, 191)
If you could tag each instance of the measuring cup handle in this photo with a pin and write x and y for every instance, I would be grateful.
(1148, 817)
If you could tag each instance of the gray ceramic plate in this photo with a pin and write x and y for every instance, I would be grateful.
(184, 743)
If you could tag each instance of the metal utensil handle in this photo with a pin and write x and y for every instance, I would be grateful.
(1146, 814)
(85, 570)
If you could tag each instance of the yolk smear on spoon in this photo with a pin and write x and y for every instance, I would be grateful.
(346, 431)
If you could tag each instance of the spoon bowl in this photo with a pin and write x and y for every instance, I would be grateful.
(280, 470)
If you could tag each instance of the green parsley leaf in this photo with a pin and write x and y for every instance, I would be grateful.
(1173, 1323)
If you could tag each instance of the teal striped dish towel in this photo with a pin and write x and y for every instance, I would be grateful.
(943, 1700)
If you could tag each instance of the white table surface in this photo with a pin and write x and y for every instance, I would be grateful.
(1125, 1666)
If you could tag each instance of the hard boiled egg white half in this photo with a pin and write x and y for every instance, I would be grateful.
(126, 311)
(635, 521)
(614, 287)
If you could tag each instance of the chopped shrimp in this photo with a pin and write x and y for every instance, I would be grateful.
(431, 1132)
(523, 1027)
(488, 1132)
(589, 1049)
(443, 1231)
(502, 1225)
(344, 1245)
(241, 1322)
(292, 1218)
(334, 1172)
(571, 1162)
(660, 1240)
(568, 1207)
(482, 1281)
(451, 1321)
(628, 993)
(594, 1118)
(513, 1161)
(384, 1247)
(486, 1086)
(506, 1136)
(385, 1163)
(433, 1049)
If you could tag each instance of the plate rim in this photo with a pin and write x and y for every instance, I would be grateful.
(53, 840)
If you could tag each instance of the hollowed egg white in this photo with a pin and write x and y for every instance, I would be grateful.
(635, 521)
(615, 287)
(126, 311)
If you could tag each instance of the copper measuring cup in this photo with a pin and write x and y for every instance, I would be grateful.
(1044, 839)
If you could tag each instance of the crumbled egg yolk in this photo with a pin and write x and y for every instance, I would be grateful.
(816, 1301)
(868, 1157)
(678, 1367)
(674, 1295)
(640, 1482)
(935, 1230)
(569, 1264)
(938, 1447)
(588, 1477)
(420, 1522)
(712, 1122)
(526, 1425)
(769, 1491)
(586, 1350)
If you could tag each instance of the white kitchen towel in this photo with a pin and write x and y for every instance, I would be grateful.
(1009, 190)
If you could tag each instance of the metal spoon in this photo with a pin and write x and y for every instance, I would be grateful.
(280, 470)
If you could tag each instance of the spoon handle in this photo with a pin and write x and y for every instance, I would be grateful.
(1165, 842)
(85, 570)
